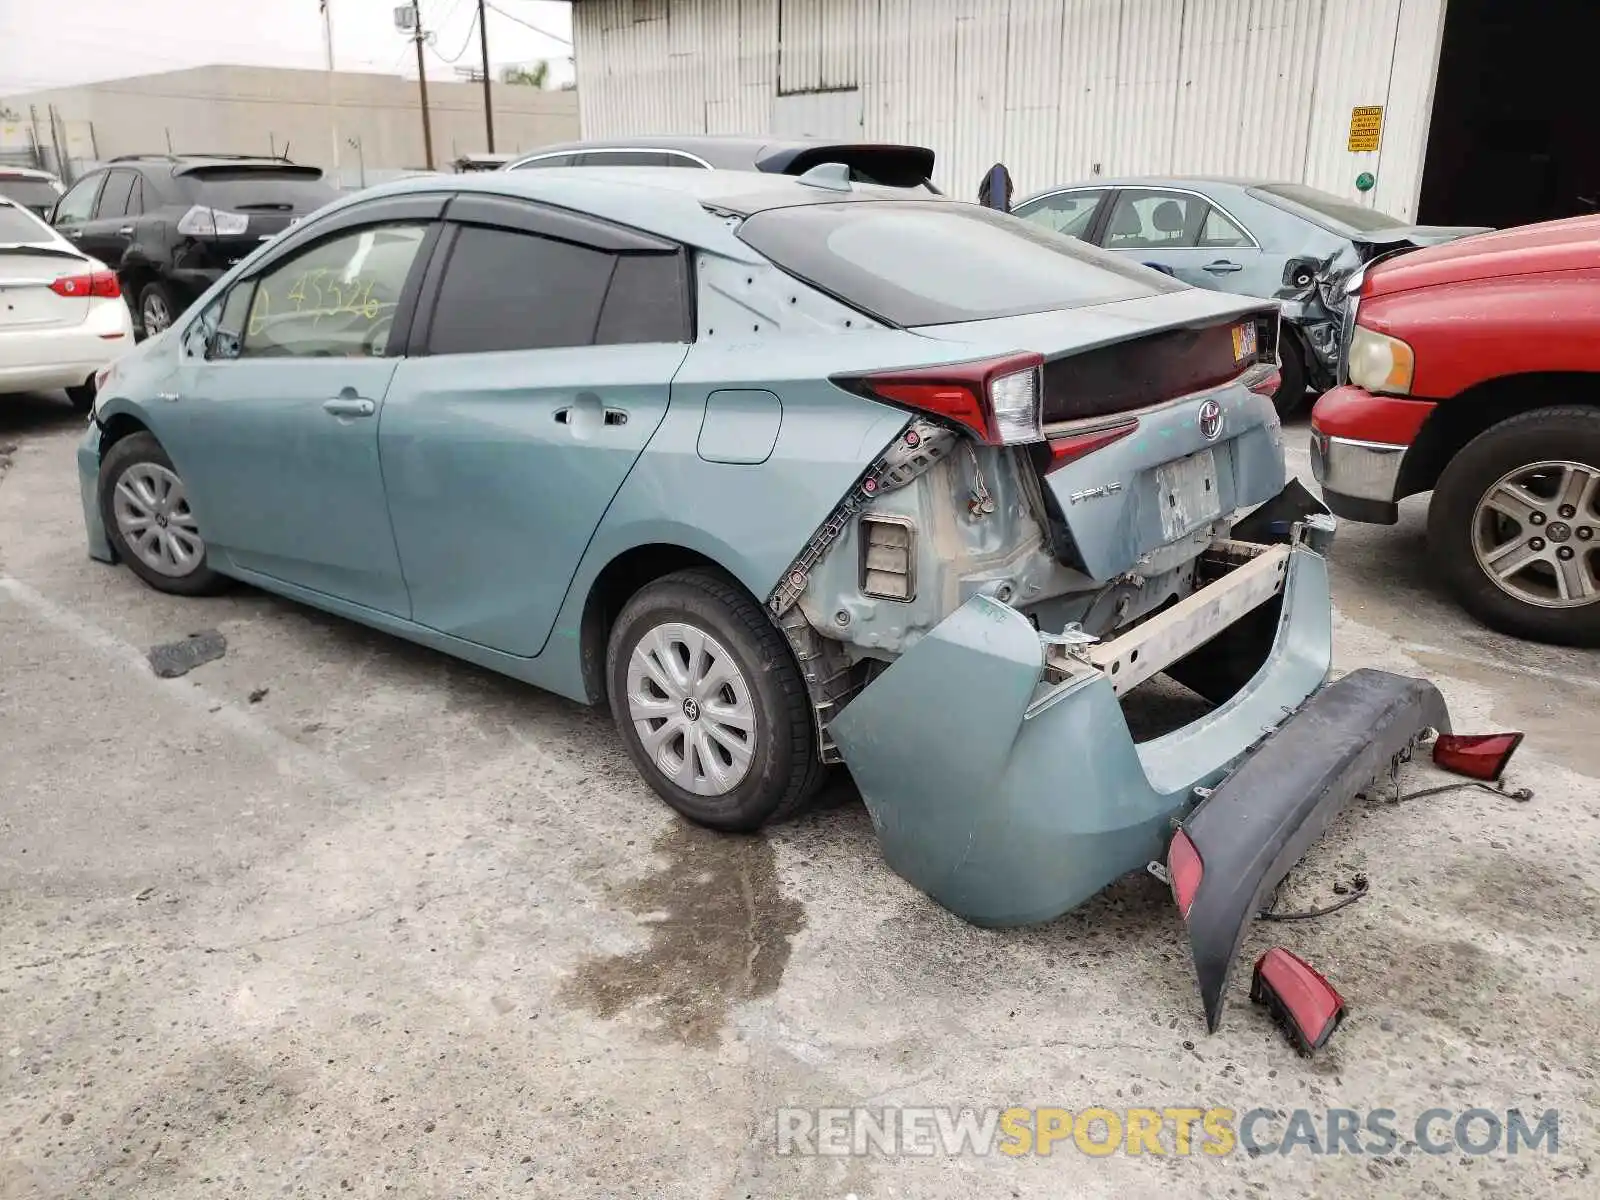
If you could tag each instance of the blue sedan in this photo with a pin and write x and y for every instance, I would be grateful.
(788, 472)
(1284, 241)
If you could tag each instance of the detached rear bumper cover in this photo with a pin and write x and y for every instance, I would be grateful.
(1009, 799)
(1263, 818)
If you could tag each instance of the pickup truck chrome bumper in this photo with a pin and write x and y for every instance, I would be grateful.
(1359, 479)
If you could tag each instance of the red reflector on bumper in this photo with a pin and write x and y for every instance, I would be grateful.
(1185, 869)
(1476, 755)
(1299, 997)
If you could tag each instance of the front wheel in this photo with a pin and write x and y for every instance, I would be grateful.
(710, 703)
(1514, 526)
(148, 519)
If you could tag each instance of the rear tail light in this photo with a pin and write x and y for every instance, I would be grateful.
(202, 221)
(1069, 448)
(999, 399)
(96, 283)
(1476, 755)
(1299, 997)
(1185, 870)
(1268, 383)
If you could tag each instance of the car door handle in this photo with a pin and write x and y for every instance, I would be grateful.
(349, 406)
(125, 231)
(1223, 267)
(613, 416)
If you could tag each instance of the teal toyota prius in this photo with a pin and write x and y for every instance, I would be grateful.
(789, 472)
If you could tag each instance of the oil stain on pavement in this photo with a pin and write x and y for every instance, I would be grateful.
(720, 930)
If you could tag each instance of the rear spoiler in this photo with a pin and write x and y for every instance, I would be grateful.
(886, 163)
(244, 166)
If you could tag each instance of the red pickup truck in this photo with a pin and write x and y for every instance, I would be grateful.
(1472, 369)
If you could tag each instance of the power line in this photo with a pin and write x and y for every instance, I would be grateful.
(554, 37)
(471, 29)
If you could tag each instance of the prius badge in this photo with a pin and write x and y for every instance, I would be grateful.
(1211, 420)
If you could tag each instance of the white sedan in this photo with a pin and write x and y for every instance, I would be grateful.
(62, 316)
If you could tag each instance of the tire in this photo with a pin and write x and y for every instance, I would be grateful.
(82, 396)
(1290, 397)
(154, 298)
(137, 460)
(1463, 531)
(782, 771)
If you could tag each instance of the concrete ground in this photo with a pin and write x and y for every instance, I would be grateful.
(335, 915)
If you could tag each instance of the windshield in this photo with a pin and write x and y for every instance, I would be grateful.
(19, 226)
(931, 263)
(1325, 209)
(254, 189)
(35, 193)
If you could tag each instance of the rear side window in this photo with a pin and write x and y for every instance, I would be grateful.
(931, 263)
(549, 160)
(114, 196)
(262, 190)
(34, 193)
(18, 226)
(516, 291)
(507, 290)
(647, 301)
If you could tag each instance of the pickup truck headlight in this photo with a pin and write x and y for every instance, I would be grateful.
(1380, 363)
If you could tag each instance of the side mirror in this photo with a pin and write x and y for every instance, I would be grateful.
(223, 344)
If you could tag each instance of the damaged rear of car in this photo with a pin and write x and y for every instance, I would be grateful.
(1088, 491)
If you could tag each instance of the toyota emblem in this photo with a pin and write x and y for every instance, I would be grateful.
(1211, 420)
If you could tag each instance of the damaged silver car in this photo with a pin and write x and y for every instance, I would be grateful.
(1283, 241)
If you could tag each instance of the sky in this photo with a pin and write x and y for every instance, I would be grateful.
(57, 43)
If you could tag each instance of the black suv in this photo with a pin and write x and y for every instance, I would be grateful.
(171, 224)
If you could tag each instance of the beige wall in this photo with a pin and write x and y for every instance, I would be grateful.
(253, 110)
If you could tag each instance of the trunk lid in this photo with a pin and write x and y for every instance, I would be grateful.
(1204, 444)
(26, 301)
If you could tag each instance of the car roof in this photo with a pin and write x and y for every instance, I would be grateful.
(9, 172)
(668, 201)
(728, 151)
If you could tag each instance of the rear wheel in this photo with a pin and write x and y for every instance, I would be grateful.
(149, 521)
(707, 697)
(156, 309)
(1514, 526)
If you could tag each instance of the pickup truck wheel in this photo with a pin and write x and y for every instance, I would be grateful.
(1514, 526)
(708, 699)
(1290, 397)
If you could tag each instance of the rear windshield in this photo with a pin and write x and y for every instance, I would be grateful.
(18, 226)
(1324, 208)
(35, 193)
(929, 263)
(257, 190)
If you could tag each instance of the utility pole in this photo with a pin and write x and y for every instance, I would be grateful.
(488, 100)
(418, 37)
(333, 103)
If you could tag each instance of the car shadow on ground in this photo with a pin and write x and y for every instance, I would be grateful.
(29, 413)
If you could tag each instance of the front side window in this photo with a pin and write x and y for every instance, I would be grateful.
(78, 204)
(337, 299)
(1070, 213)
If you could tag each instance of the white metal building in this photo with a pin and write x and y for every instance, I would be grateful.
(1063, 90)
